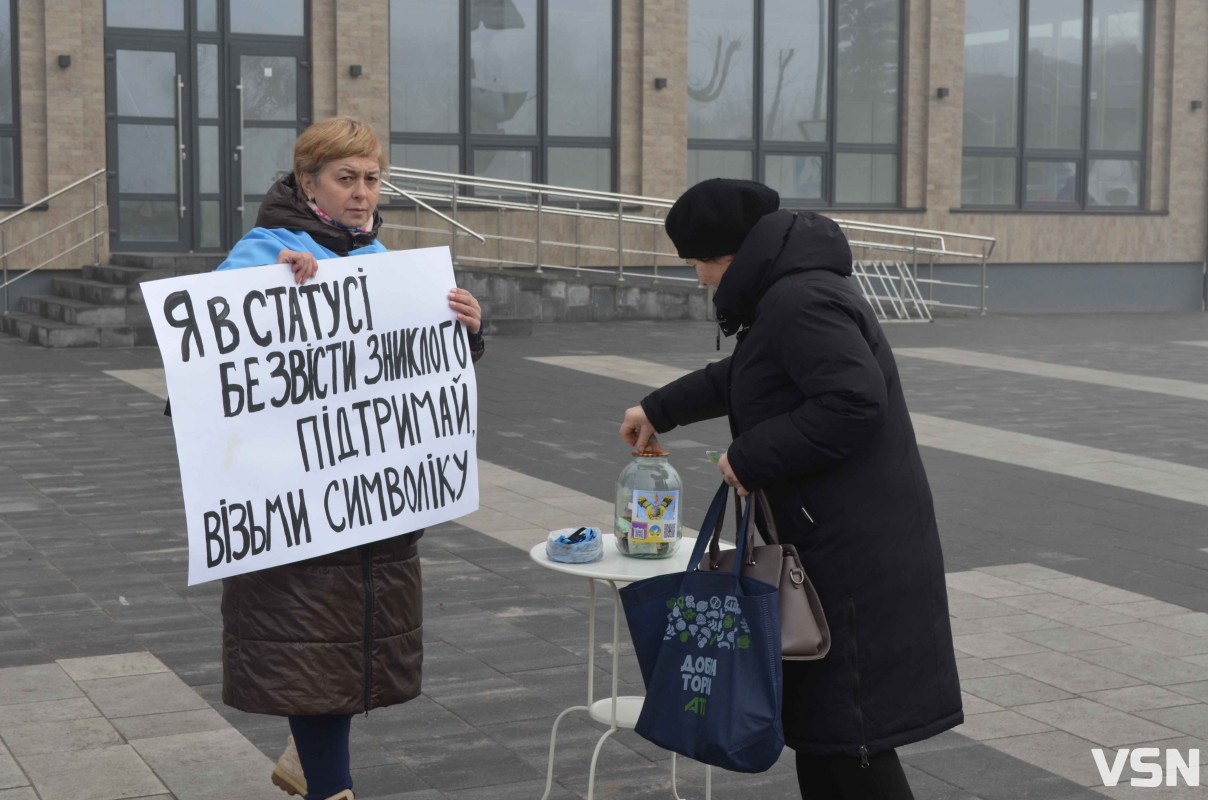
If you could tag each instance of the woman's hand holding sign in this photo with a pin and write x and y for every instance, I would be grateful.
(304, 265)
(467, 308)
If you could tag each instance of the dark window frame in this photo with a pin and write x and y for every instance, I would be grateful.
(13, 130)
(468, 142)
(759, 147)
(1084, 155)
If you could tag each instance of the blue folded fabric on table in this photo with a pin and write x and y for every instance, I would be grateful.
(575, 545)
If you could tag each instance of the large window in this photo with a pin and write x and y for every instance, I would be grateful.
(1054, 113)
(10, 122)
(512, 89)
(800, 94)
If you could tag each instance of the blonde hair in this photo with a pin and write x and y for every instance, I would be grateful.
(333, 139)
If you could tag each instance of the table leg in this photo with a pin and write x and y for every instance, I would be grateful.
(613, 728)
(616, 648)
(591, 676)
(675, 783)
(591, 645)
(553, 739)
(616, 625)
(591, 776)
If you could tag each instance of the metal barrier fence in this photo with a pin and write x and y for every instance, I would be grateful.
(449, 196)
(920, 248)
(917, 248)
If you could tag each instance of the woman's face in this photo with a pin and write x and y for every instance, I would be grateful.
(710, 270)
(346, 190)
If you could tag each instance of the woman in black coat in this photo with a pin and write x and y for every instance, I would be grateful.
(820, 425)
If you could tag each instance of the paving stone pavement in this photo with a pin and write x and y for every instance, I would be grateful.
(1078, 607)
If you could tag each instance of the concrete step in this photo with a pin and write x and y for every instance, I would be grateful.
(55, 333)
(76, 312)
(49, 333)
(168, 263)
(113, 273)
(127, 335)
(97, 292)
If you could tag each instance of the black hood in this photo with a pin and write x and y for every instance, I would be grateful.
(782, 243)
(284, 207)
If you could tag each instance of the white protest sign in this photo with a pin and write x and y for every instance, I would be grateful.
(314, 418)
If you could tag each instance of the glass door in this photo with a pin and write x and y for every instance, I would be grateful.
(203, 102)
(148, 121)
(270, 107)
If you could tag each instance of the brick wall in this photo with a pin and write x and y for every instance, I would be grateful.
(629, 98)
(363, 37)
(31, 26)
(664, 111)
(323, 58)
(62, 128)
(62, 115)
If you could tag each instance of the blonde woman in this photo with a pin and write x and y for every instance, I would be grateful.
(321, 640)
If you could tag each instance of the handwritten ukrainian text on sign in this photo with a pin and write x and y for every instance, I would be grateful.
(314, 418)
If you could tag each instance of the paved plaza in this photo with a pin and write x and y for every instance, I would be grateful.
(1068, 458)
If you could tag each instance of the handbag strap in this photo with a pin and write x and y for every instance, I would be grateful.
(770, 534)
(744, 530)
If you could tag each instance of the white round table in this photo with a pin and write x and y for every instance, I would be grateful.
(618, 712)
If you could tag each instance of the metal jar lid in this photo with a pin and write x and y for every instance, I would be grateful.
(653, 450)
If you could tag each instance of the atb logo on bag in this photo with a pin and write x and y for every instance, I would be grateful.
(717, 622)
(698, 675)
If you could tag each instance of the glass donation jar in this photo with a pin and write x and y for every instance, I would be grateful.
(648, 519)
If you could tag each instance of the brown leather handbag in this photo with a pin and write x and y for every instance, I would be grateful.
(804, 634)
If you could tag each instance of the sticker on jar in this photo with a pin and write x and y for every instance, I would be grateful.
(655, 516)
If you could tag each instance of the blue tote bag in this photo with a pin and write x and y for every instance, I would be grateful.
(708, 646)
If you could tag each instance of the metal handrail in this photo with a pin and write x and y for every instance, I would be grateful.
(390, 186)
(94, 239)
(44, 234)
(906, 231)
(52, 195)
(626, 210)
(526, 188)
(461, 191)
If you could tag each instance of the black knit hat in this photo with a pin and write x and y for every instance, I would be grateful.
(713, 217)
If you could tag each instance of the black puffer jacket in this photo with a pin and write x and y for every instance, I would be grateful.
(820, 423)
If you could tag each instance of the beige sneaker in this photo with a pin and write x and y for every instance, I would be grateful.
(288, 775)
(344, 795)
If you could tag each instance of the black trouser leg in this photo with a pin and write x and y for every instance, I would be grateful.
(843, 778)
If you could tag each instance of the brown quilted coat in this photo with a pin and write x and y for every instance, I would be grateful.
(337, 634)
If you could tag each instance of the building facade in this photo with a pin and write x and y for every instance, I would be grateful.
(1072, 131)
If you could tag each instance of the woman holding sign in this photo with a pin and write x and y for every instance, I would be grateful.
(320, 640)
